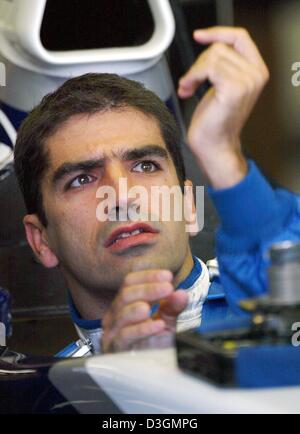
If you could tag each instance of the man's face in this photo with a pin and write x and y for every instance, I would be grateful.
(93, 151)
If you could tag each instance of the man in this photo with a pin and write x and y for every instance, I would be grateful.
(91, 133)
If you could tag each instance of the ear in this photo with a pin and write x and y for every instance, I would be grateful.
(37, 239)
(190, 212)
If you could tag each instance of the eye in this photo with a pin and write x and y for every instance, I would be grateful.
(80, 180)
(146, 167)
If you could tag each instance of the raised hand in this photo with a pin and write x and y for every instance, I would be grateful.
(237, 72)
(129, 319)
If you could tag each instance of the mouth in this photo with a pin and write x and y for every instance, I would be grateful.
(131, 236)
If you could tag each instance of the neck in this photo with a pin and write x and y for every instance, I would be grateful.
(90, 305)
(185, 269)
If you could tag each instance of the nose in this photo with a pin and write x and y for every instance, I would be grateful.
(120, 180)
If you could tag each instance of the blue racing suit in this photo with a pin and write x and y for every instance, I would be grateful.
(253, 216)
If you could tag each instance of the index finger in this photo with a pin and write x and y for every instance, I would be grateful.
(238, 37)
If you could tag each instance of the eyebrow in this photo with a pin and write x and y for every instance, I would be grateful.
(129, 155)
(145, 151)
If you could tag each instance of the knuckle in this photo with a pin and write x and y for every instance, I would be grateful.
(165, 286)
(243, 32)
(218, 48)
(128, 279)
(132, 314)
(129, 294)
(261, 77)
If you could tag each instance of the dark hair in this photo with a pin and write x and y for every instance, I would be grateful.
(87, 94)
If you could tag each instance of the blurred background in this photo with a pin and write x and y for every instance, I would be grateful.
(41, 323)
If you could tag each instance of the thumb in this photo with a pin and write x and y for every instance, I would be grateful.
(171, 307)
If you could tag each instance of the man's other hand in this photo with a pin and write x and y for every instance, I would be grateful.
(237, 72)
(129, 321)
